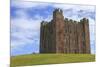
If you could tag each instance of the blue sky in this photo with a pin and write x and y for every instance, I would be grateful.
(27, 16)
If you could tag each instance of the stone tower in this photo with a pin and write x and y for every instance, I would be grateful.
(84, 38)
(58, 21)
(64, 35)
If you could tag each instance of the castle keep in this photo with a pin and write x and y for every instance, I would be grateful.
(64, 35)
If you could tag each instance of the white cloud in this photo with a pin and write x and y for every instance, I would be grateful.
(25, 24)
(92, 29)
(76, 12)
(26, 31)
(21, 13)
(28, 4)
(75, 7)
(24, 4)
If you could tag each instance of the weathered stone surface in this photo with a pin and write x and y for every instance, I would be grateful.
(64, 35)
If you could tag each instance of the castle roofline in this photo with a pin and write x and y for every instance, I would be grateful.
(84, 19)
(58, 10)
(70, 20)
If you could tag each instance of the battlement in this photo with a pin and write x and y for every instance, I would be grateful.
(57, 10)
(64, 35)
(70, 20)
(44, 23)
(84, 20)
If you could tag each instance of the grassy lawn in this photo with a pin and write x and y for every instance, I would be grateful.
(40, 59)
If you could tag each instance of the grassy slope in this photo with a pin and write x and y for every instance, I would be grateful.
(37, 59)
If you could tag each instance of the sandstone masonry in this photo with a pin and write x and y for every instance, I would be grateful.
(64, 35)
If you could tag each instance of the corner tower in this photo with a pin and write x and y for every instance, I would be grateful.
(86, 36)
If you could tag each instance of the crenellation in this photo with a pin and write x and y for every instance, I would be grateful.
(64, 35)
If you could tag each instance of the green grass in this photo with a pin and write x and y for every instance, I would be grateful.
(39, 59)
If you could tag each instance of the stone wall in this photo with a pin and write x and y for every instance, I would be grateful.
(64, 35)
